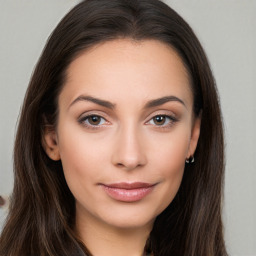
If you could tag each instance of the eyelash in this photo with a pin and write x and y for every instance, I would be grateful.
(84, 121)
(171, 122)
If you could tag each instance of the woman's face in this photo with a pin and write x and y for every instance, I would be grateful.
(124, 130)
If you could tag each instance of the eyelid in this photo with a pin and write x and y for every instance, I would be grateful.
(169, 114)
(81, 119)
(173, 119)
(93, 113)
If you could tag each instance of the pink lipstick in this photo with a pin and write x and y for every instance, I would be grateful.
(128, 192)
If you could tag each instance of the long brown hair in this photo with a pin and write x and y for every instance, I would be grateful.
(42, 209)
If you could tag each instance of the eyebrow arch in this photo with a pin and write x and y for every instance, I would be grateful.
(100, 102)
(161, 101)
(107, 104)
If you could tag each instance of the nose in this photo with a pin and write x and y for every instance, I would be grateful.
(129, 152)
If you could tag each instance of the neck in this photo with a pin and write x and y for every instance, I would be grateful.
(105, 240)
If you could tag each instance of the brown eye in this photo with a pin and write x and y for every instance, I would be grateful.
(94, 120)
(163, 121)
(159, 120)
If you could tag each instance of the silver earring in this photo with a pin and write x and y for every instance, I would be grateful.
(190, 160)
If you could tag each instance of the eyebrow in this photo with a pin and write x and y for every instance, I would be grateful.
(100, 102)
(107, 104)
(161, 101)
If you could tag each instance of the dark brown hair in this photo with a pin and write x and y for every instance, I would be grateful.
(42, 209)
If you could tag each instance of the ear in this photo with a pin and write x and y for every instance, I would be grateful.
(195, 133)
(50, 143)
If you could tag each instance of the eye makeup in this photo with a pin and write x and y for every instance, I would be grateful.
(158, 121)
(162, 121)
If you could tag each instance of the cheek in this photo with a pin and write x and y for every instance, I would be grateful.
(171, 165)
(170, 152)
(82, 155)
(76, 156)
(169, 161)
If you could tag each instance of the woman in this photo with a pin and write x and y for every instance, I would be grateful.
(119, 149)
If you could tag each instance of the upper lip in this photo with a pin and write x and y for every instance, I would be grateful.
(129, 185)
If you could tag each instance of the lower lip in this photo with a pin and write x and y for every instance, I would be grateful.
(127, 195)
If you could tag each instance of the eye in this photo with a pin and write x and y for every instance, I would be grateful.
(92, 120)
(162, 120)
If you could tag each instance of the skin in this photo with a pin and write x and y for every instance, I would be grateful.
(127, 144)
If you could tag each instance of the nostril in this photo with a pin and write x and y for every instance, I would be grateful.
(129, 165)
(128, 154)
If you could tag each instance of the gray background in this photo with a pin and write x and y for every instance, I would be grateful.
(227, 30)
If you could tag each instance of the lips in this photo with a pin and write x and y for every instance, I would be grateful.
(128, 192)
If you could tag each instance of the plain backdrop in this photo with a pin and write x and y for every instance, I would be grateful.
(227, 31)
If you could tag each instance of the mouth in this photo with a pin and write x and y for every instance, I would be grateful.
(128, 192)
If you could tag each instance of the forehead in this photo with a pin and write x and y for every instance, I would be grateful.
(135, 68)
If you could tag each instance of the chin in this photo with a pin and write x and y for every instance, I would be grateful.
(131, 222)
(130, 216)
